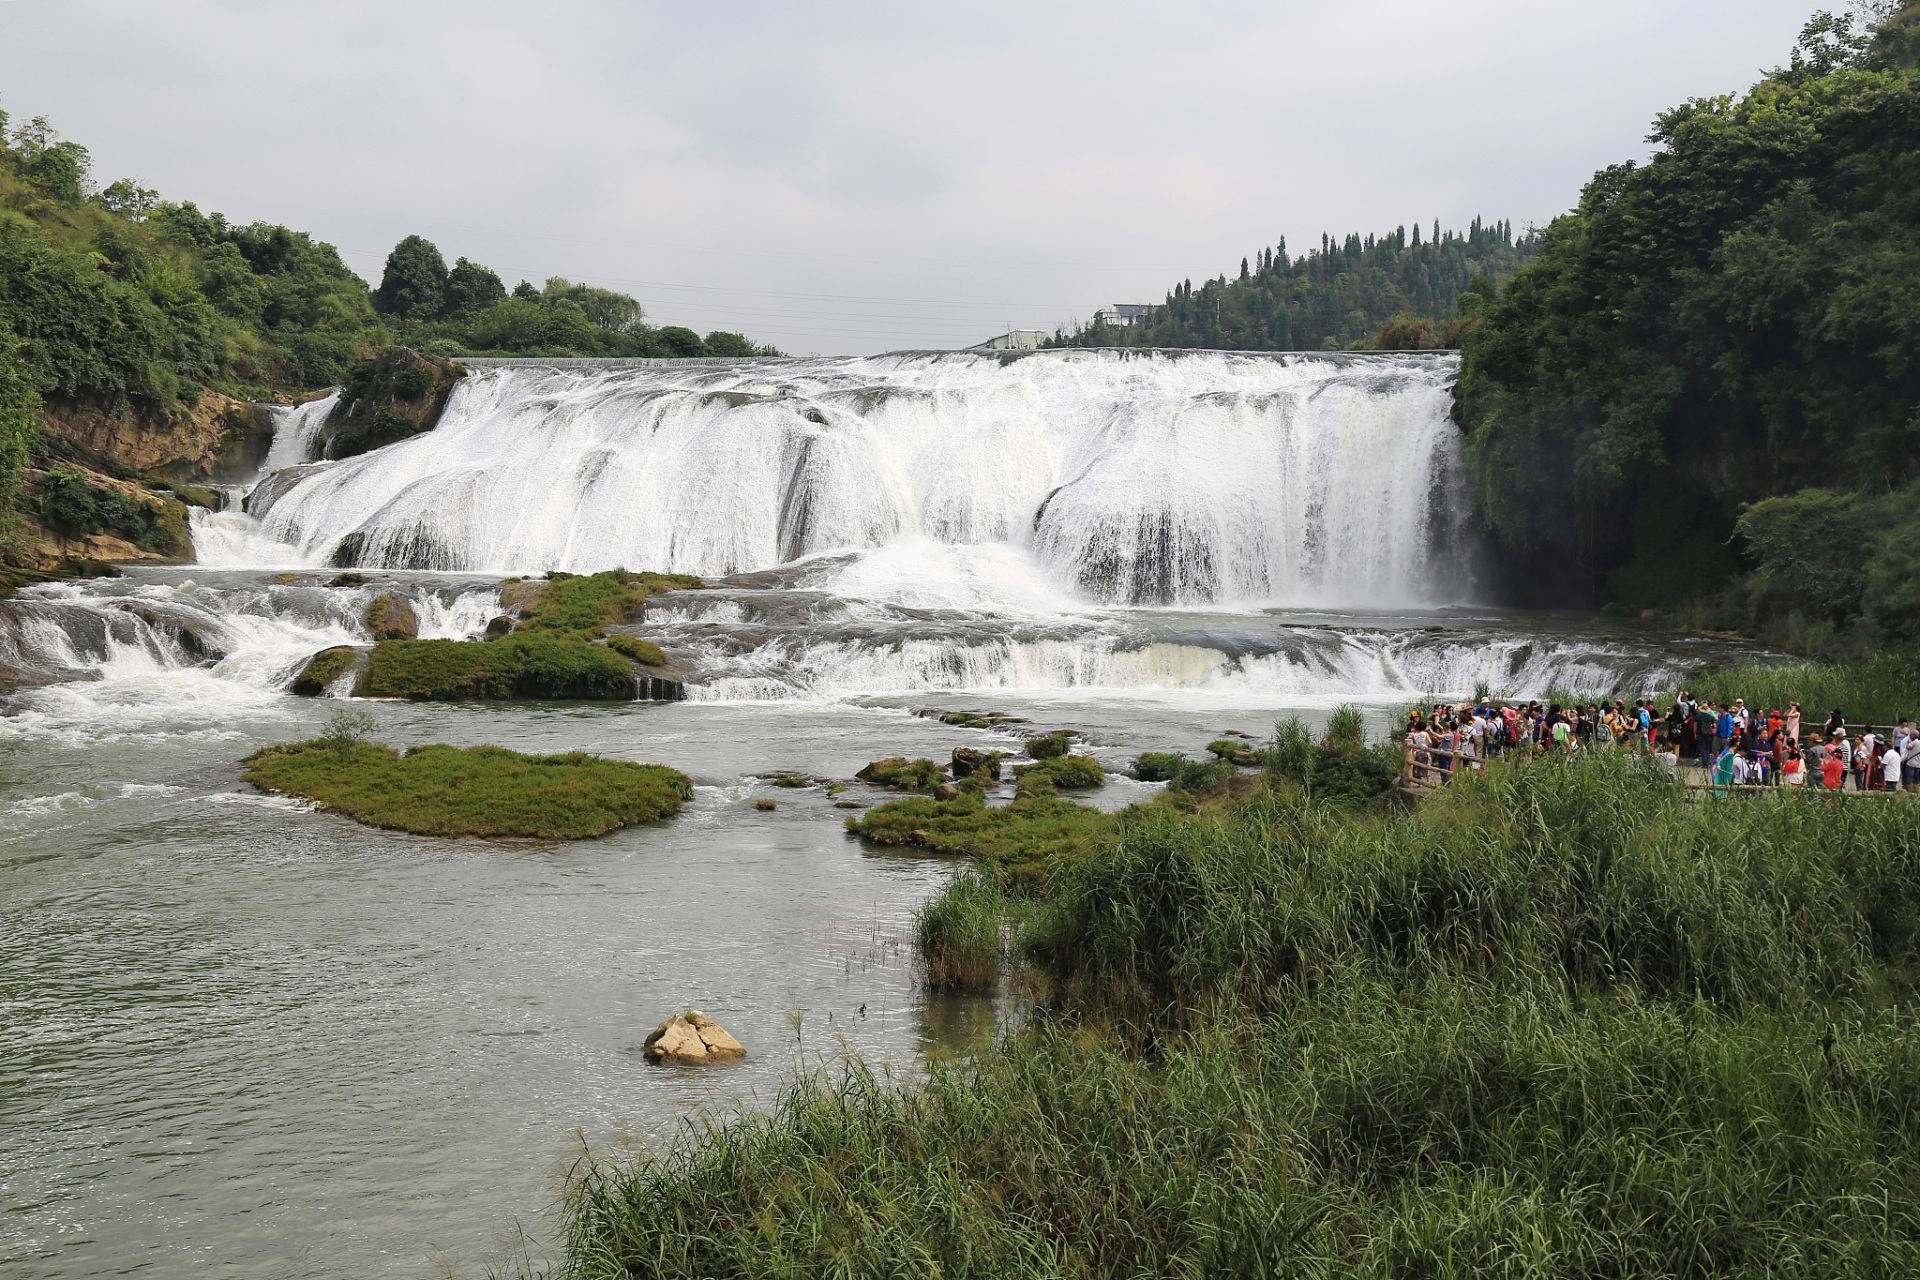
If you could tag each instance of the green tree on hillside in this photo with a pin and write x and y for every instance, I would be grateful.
(414, 285)
(1732, 320)
(1339, 295)
(471, 288)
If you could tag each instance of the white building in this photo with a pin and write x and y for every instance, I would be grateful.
(1015, 340)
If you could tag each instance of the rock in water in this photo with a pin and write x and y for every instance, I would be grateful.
(967, 762)
(391, 617)
(690, 1038)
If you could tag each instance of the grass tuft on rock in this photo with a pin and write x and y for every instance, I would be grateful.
(956, 937)
(476, 791)
(584, 603)
(644, 652)
(1020, 840)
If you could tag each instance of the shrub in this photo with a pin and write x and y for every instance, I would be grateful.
(69, 501)
(1195, 776)
(1067, 771)
(956, 937)
(516, 666)
(1158, 766)
(1051, 746)
(479, 791)
(644, 652)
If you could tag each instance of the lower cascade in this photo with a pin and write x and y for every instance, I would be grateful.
(1118, 478)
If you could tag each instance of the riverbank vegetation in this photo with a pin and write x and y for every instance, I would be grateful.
(1559, 1019)
(115, 300)
(476, 791)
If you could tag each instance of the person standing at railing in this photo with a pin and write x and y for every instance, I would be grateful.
(1793, 723)
(1891, 765)
(1704, 725)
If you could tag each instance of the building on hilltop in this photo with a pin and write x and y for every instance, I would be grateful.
(1128, 313)
(1014, 340)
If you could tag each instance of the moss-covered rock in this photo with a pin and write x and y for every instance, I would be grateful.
(517, 666)
(1063, 771)
(897, 773)
(391, 617)
(323, 669)
(479, 791)
(348, 580)
(968, 762)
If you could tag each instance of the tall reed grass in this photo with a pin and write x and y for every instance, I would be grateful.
(1883, 689)
(957, 941)
(1558, 1021)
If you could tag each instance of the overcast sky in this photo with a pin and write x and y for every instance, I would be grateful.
(856, 177)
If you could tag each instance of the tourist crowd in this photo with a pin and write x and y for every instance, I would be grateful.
(1731, 745)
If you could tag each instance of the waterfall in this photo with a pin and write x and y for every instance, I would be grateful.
(1091, 477)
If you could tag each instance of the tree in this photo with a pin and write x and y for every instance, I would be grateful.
(414, 285)
(129, 200)
(613, 312)
(722, 343)
(1730, 321)
(678, 342)
(57, 170)
(471, 288)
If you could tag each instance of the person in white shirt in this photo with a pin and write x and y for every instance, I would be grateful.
(1739, 769)
(1890, 764)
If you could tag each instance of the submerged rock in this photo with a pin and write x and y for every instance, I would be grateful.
(691, 1038)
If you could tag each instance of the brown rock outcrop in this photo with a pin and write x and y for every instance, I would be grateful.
(692, 1039)
(218, 438)
(391, 617)
(518, 597)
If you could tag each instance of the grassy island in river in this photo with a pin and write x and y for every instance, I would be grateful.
(476, 791)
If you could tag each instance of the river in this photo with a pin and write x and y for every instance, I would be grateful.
(248, 1039)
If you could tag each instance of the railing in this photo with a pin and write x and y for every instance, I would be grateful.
(1430, 768)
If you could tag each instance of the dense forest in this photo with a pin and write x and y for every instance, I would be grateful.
(116, 299)
(1707, 335)
(1396, 291)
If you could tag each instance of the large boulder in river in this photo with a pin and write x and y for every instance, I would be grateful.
(692, 1038)
(391, 617)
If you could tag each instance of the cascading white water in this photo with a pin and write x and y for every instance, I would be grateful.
(1186, 478)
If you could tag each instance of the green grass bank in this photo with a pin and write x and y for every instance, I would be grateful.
(476, 791)
(1562, 1020)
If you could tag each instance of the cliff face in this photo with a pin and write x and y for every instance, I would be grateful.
(70, 514)
(218, 439)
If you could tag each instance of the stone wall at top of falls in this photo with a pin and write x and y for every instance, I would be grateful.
(1121, 477)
